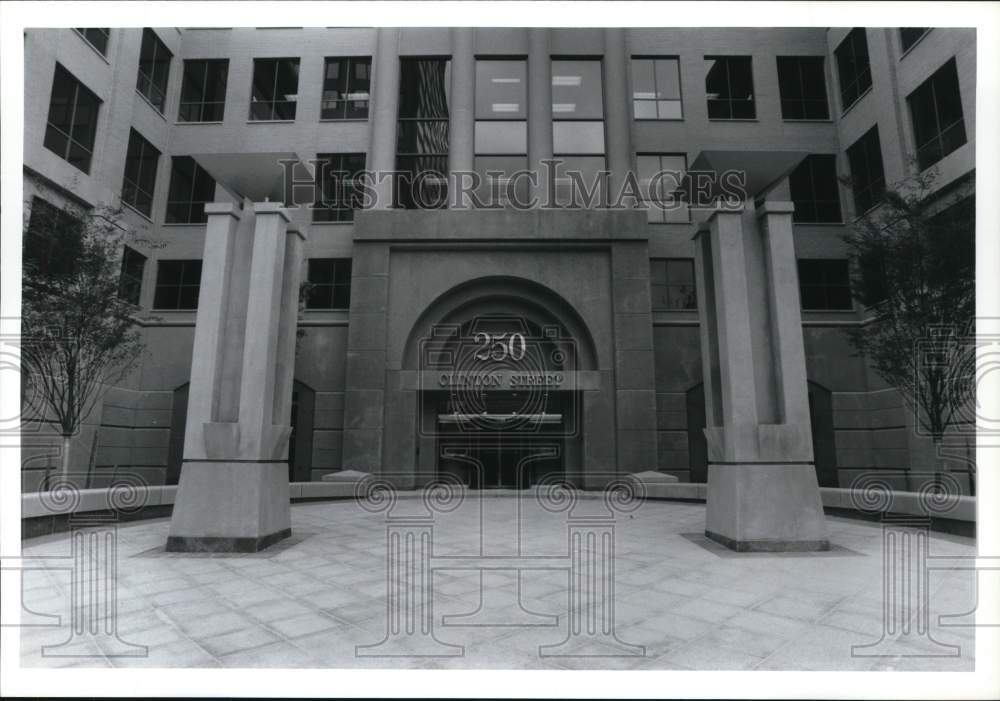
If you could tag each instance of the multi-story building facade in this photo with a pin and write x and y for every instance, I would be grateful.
(164, 120)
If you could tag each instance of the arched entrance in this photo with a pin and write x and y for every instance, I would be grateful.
(501, 383)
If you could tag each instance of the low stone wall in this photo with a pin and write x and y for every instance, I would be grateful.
(43, 513)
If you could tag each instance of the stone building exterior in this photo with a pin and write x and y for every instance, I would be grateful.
(184, 112)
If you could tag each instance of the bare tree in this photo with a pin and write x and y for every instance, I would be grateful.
(78, 332)
(914, 268)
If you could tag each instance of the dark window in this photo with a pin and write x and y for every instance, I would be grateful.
(203, 91)
(908, 36)
(191, 187)
(815, 190)
(660, 175)
(329, 283)
(852, 67)
(140, 173)
(656, 88)
(130, 282)
(824, 285)
(336, 181)
(936, 111)
(177, 284)
(154, 69)
(72, 123)
(672, 284)
(578, 130)
(729, 87)
(867, 176)
(275, 89)
(422, 134)
(501, 139)
(96, 37)
(802, 83)
(346, 86)
(53, 240)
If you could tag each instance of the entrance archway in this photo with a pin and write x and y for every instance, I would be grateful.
(500, 398)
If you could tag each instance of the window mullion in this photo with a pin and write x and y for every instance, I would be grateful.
(72, 120)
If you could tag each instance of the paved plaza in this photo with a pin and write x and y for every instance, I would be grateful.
(681, 602)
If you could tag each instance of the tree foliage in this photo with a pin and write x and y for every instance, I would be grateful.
(77, 332)
(914, 268)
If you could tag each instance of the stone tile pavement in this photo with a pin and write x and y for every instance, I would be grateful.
(310, 600)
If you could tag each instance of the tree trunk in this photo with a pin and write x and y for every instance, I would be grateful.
(64, 470)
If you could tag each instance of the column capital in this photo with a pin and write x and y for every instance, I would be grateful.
(775, 207)
(218, 208)
(271, 208)
(296, 231)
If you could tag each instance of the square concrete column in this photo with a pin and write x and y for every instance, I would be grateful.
(763, 494)
(233, 493)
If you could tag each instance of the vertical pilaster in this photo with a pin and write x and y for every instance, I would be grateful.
(384, 114)
(288, 327)
(618, 141)
(539, 109)
(206, 362)
(461, 139)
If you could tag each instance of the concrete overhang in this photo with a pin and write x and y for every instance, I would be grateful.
(762, 170)
(256, 176)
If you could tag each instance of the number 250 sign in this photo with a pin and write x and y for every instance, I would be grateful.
(499, 347)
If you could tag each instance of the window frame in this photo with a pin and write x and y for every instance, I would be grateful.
(870, 185)
(350, 62)
(642, 196)
(78, 86)
(825, 285)
(729, 86)
(202, 102)
(104, 31)
(801, 80)
(404, 156)
(333, 284)
(680, 88)
(903, 48)
(180, 286)
(812, 159)
(143, 143)
(147, 90)
(296, 60)
(63, 226)
(344, 214)
(932, 83)
(667, 285)
(499, 184)
(563, 155)
(191, 203)
(850, 41)
(127, 281)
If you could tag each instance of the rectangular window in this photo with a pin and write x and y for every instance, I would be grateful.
(853, 69)
(339, 188)
(154, 69)
(53, 240)
(346, 88)
(660, 175)
(815, 190)
(191, 188)
(671, 283)
(72, 122)
(130, 281)
(96, 37)
(824, 285)
(275, 89)
(140, 173)
(329, 283)
(501, 138)
(422, 133)
(908, 36)
(802, 83)
(177, 284)
(203, 90)
(867, 175)
(578, 132)
(656, 88)
(936, 112)
(729, 87)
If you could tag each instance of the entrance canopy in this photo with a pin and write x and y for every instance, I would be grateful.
(760, 171)
(258, 177)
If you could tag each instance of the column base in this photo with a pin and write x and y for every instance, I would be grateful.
(230, 507)
(765, 507)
